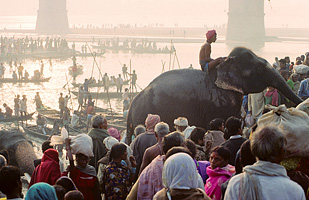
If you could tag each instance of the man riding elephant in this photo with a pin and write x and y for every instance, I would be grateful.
(201, 97)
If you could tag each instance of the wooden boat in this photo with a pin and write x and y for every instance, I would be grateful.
(100, 84)
(50, 114)
(79, 71)
(10, 80)
(104, 95)
(97, 54)
(12, 119)
(33, 131)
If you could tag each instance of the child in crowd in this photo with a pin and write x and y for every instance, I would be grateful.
(219, 172)
(117, 176)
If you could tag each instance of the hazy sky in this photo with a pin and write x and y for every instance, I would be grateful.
(278, 13)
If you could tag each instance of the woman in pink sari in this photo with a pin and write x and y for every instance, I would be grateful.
(219, 172)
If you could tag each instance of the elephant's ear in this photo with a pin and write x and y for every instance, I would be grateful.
(230, 76)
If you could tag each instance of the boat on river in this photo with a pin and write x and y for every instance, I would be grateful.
(105, 95)
(98, 84)
(12, 119)
(33, 131)
(10, 80)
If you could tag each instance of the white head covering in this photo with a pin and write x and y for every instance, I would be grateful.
(110, 141)
(179, 172)
(181, 121)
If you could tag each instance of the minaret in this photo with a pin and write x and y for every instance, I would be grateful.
(246, 20)
(52, 17)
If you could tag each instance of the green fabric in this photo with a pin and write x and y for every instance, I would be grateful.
(268, 100)
(291, 84)
(99, 149)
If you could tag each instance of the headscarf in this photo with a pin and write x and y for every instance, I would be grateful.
(210, 34)
(114, 132)
(151, 121)
(110, 141)
(41, 191)
(179, 172)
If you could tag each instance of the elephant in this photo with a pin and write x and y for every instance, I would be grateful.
(202, 96)
(20, 150)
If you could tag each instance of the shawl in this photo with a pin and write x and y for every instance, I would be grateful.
(216, 178)
(275, 97)
(250, 187)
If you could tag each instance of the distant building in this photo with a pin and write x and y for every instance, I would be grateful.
(245, 20)
(52, 17)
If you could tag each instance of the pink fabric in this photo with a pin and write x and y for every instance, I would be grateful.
(275, 97)
(150, 180)
(151, 121)
(114, 133)
(216, 178)
(210, 34)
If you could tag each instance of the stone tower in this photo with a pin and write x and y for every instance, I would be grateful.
(246, 20)
(52, 17)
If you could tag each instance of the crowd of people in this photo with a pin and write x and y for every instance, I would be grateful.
(12, 45)
(189, 163)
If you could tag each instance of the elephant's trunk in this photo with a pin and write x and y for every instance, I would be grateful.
(278, 82)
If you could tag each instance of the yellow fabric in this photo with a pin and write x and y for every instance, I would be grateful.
(290, 163)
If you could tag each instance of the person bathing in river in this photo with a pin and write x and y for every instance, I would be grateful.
(206, 62)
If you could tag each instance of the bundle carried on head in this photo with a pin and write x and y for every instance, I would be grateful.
(304, 106)
(294, 124)
(82, 143)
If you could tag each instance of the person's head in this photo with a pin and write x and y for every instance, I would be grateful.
(42, 191)
(217, 124)
(192, 147)
(82, 160)
(66, 183)
(233, 126)
(119, 75)
(161, 130)
(294, 77)
(139, 129)
(3, 161)
(109, 142)
(37, 93)
(246, 156)
(197, 136)
(181, 123)
(175, 150)
(133, 71)
(114, 133)
(118, 152)
(81, 87)
(211, 36)
(267, 144)
(74, 195)
(179, 172)
(61, 94)
(10, 183)
(126, 89)
(46, 145)
(284, 74)
(18, 96)
(151, 121)
(99, 121)
(302, 57)
(4, 105)
(282, 63)
(86, 79)
(219, 157)
(60, 191)
(299, 62)
(287, 59)
(24, 96)
(173, 139)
